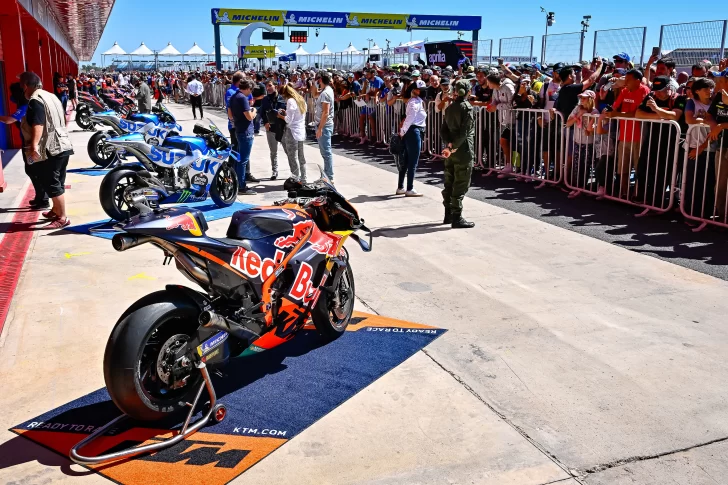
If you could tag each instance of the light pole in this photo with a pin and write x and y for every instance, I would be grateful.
(550, 21)
(584, 28)
(369, 47)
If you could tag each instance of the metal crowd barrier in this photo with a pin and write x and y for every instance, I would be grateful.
(703, 194)
(624, 159)
(524, 143)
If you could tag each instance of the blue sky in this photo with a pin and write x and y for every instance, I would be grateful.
(183, 22)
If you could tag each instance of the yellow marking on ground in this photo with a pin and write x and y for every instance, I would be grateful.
(75, 255)
(141, 276)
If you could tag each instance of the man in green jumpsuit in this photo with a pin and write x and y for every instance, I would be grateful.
(458, 135)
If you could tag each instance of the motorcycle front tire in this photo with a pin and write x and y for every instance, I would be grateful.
(224, 196)
(329, 325)
(109, 197)
(167, 314)
(96, 153)
(83, 117)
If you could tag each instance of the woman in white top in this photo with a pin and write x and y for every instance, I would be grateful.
(412, 131)
(295, 134)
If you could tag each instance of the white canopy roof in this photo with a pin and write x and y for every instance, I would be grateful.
(224, 51)
(169, 51)
(324, 51)
(410, 47)
(351, 50)
(279, 52)
(115, 49)
(142, 50)
(375, 49)
(300, 51)
(195, 50)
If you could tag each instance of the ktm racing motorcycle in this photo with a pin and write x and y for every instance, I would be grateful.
(155, 127)
(276, 267)
(121, 102)
(180, 169)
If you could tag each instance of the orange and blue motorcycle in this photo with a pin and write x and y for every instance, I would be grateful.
(276, 267)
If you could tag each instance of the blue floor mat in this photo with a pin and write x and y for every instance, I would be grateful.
(270, 398)
(105, 228)
(92, 172)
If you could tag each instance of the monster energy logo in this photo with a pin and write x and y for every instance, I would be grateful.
(184, 196)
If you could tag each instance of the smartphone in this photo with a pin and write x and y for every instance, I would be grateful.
(500, 61)
(656, 51)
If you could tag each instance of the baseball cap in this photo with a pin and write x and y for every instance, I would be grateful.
(660, 83)
(416, 73)
(588, 94)
(621, 71)
(445, 81)
(536, 66)
(351, 74)
(723, 73)
(470, 77)
(622, 55)
(558, 66)
(420, 84)
(471, 69)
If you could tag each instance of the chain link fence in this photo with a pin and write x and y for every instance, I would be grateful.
(692, 42)
(561, 48)
(516, 49)
(615, 41)
(485, 52)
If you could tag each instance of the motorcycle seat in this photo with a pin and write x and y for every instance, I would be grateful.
(252, 224)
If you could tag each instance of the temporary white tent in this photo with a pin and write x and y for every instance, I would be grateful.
(279, 52)
(169, 51)
(299, 53)
(115, 50)
(325, 52)
(349, 54)
(375, 49)
(195, 50)
(142, 50)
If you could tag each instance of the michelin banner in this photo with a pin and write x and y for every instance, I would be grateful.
(342, 20)
(257, 52)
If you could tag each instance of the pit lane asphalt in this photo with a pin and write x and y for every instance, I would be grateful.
(665, 237)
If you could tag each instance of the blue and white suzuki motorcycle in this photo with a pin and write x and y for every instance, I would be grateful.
(155, 127)
(182, 169)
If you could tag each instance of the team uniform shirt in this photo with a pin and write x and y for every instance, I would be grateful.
(628, 102)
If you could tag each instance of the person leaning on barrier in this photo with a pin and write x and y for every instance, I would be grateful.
(47, 144)
(718, 122)
(458, 135)
(659, 141)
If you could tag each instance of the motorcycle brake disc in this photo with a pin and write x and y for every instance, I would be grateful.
(168, 355)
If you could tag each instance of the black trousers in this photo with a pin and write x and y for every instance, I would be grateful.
(31, 170)
(196, 102)
(234, 144)
(52, 174)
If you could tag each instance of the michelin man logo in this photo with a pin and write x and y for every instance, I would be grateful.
(353, 22)
(412, 24)
(291, 20)
(219, 19)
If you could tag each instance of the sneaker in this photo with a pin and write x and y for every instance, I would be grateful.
(363, 141)
(251, 178)
(412, 193)
(274, 175)
(50, 215)
(57, 224)
(247, 191)
(400, 192)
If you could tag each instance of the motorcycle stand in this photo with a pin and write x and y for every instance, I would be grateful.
(215, 413)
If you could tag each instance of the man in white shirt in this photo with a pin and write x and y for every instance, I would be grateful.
(195, 90)
(324, 119)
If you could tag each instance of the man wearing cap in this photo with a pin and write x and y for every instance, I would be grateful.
(658, 144)
(718, 121)
(443, 98)
(407, 94)
(458, 135)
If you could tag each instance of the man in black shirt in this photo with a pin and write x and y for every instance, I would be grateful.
(569, 92)
(659, 141)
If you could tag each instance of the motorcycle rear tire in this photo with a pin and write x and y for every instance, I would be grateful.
(221, 200)
(165, 313)
(95, 151)
(108, 194)
(328, 325)
(83, 118)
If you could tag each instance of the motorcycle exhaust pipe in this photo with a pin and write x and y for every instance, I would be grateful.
(122, 242)
(210, 319)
